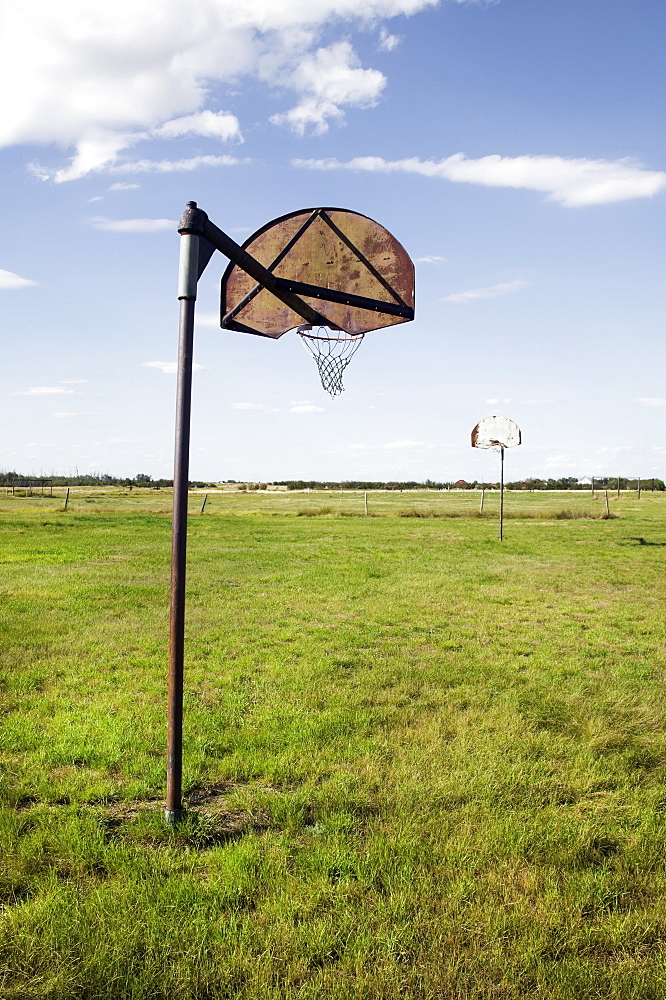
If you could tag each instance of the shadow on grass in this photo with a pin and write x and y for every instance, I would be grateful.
(209, 821)
(641, 541)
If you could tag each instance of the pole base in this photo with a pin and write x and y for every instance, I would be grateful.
(174, 816)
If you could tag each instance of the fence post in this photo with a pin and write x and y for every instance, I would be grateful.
(66, 499)
(365, 497)
(204, 503)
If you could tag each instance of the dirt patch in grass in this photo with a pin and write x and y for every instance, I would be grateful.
(210, 820)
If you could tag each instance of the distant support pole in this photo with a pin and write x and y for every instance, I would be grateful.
(618, 487)
(203, 505)
(365, 497)
(187, 293)
(607, 506)
(501, 533)
(639, 487)
(593, 487)
(66, 499)
(483, 493)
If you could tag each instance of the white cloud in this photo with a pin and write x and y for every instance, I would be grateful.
(45, 390)
(10, 280)
(572, 182)
(222, 125)
(97, 78)
(168, 367)
(174, 166)
(494, 400)
(133, 225)
(651, 401)
(491, 292)
(329, 79)
(387, 41)
(254, 406)
(122, 186)
(307, 408)
(408, 444)
(65, 414)
(433, 259)
(207, 319)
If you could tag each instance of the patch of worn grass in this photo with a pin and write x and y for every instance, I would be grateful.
(417, 762)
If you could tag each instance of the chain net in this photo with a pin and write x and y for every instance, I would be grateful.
(332, 351)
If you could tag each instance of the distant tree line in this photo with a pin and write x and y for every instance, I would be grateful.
(147, 482)
(565, 483)
(358, 484)
(601, 483)
(102, 479)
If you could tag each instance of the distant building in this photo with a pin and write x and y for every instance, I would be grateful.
(460, 485)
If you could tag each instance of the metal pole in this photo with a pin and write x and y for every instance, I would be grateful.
(187, 293)
(501, 494)
(204, 503)
(593, 487)
(639, 488)
(618, 486)
(365, 495)
(66, 499)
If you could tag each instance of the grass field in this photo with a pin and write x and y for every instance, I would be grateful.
(418, 763)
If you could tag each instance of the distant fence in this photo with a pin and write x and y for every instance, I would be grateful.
(31, 487)
(466, 503)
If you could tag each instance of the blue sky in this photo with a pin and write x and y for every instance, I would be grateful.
(515, 148)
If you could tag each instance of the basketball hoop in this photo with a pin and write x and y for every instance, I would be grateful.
(328, 268)
(332, 351)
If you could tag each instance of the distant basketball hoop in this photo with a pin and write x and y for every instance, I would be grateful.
(497, 433)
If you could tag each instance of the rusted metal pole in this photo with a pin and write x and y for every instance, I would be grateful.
(501, 533)
(187, 293)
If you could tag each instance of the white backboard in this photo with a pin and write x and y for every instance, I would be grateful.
(495, 432)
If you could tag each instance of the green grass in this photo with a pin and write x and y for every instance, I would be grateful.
(418, 763)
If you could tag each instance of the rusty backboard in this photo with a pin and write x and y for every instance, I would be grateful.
(343, 264)
(496, 432)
